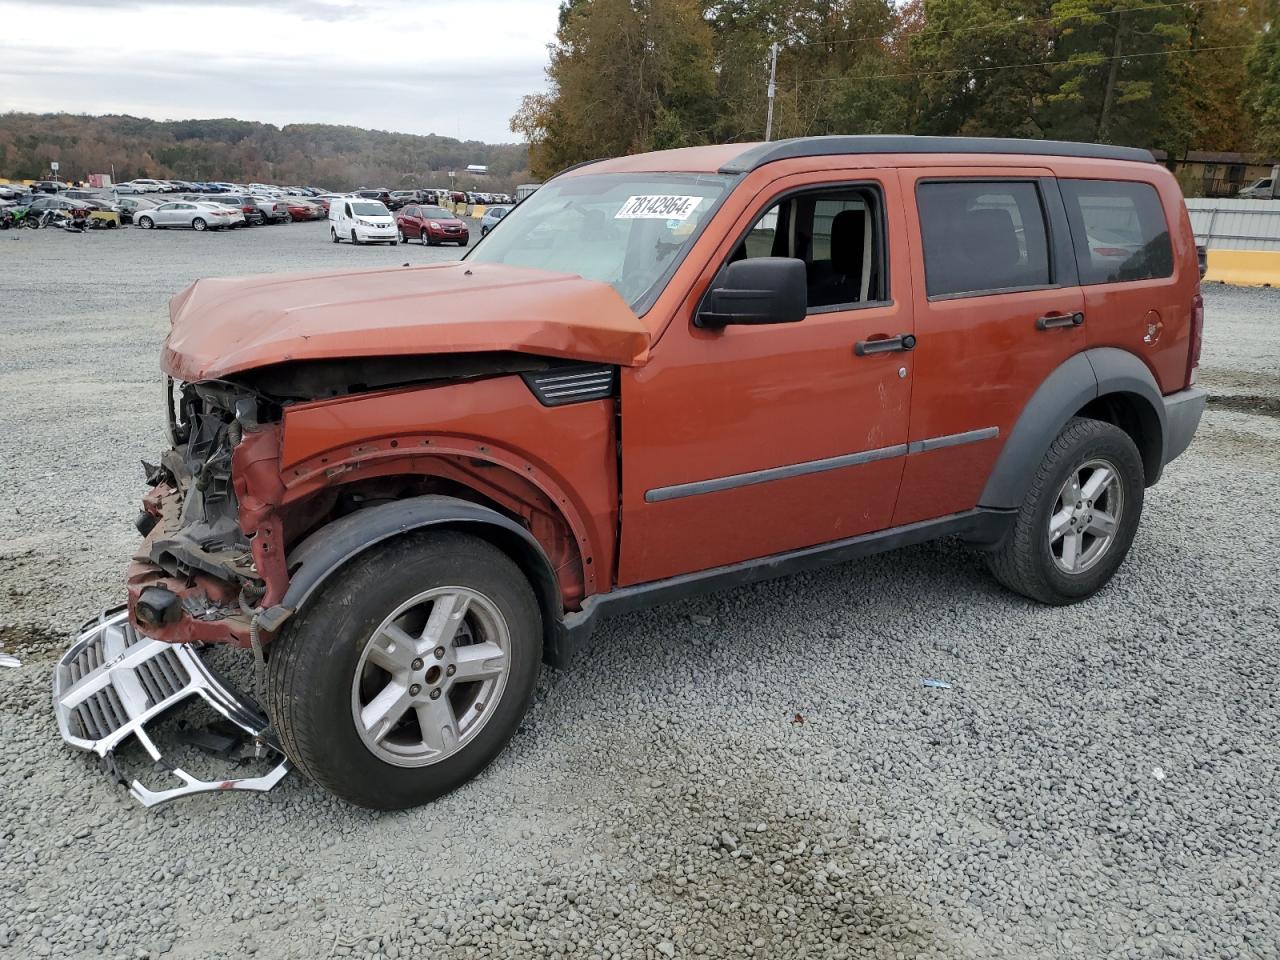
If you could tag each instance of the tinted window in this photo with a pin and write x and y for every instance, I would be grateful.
(982, 236)
(1118, 229)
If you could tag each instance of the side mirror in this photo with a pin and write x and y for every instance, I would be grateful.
(759, 290)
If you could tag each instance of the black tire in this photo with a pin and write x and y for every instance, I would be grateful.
(146, 223)
(1024, 562)
(199, 224)
(400, 237)
(334, 234)
(354, 238)
(312, 667)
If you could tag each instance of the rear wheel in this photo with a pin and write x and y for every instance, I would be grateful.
(199, 224)
(410, 673)
(1078, 519)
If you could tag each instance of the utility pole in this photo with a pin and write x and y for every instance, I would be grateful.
(773, 89)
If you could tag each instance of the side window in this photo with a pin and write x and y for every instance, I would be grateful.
(346, 209)
(763, 235)
(1118, 229)
(838, 233)
(980, 237)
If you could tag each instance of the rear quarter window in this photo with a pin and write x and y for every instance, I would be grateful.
(1118, 229)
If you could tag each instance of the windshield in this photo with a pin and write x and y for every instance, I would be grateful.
(437, 213)
(624, 229)
(365, 208)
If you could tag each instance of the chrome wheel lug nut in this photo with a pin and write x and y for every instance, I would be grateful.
(435, 694)
(417, 664)
(451, 670)
(439, 653)
(415, 690)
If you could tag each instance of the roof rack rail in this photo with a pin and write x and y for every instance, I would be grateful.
(763, 153)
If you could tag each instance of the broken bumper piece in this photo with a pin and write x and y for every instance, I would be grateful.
(113, 682)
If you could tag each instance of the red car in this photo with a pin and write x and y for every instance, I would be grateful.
(431, 225)
(301, 211)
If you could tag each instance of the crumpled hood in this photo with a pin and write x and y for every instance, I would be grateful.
(224, 326)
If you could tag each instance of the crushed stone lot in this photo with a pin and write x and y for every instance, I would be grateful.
(760, 773)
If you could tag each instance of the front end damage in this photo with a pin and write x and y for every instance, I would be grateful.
(212, 556)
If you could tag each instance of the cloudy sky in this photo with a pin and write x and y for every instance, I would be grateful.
(452, 67)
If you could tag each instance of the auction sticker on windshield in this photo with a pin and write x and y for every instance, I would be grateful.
(658, 207)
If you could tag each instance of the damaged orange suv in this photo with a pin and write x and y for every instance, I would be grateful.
(404, 489)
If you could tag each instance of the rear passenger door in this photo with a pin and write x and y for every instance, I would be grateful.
(997, 306)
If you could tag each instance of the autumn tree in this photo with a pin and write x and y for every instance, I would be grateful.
(625, 75)
(1263, 83)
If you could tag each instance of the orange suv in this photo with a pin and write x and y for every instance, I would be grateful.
(405, 488)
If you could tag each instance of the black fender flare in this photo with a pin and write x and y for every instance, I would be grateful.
(313, 561)
(1077, 381)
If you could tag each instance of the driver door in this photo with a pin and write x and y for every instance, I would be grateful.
(746, 441)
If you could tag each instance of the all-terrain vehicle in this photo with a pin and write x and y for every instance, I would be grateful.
(404, 489)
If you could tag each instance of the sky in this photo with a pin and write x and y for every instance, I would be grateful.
(457, 68)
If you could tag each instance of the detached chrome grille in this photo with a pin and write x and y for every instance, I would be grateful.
(571, 384)
(113, 682)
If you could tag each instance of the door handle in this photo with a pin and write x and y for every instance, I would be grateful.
(902, 342)
(1056, 320)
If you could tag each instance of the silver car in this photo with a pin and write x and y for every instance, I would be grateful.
(183, 213)
(491, 218)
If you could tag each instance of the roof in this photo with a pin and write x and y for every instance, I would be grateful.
(736, 158)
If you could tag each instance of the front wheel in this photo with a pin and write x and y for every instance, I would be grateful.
(1078, 519)
(410, 672)
(354, 238)
(333, 234)
(400, 237)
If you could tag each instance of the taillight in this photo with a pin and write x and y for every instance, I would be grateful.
(1197, 337)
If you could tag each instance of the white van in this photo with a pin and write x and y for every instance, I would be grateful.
(361, 221)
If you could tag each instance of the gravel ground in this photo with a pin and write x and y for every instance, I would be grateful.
(759, 773)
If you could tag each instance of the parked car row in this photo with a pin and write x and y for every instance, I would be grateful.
(368, 215)
(433, 196)
(197, 209)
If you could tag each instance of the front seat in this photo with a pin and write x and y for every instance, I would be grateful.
(839, 280)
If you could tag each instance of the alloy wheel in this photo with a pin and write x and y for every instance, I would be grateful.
(430, 676)
(1086, 516)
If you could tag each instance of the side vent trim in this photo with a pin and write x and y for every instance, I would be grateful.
(572, 383)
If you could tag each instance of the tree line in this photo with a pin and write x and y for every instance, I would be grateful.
(336, 157)
(1177, 75)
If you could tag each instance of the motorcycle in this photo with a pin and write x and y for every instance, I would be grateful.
(56, 218)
